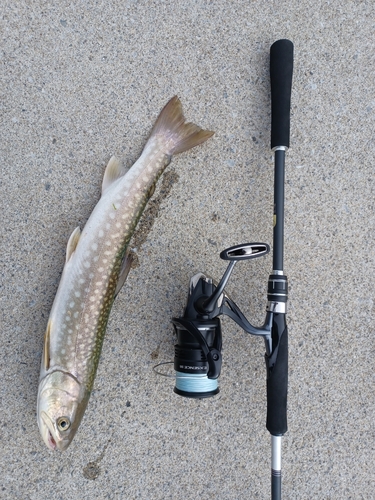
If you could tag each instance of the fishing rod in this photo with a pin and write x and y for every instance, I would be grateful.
(198, 358)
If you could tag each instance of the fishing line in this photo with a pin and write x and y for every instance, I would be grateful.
(188, 382)
(161, 373)
(195, 384)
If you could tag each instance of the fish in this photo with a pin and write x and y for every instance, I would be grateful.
(98, 259)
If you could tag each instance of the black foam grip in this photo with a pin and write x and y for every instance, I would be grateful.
(277, 389)
(281, 70)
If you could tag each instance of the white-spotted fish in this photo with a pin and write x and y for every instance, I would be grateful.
(97, 263)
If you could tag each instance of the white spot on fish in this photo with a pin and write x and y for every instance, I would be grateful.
(96, 258)
(108, 226)
(108, 243)
(81, 280)
(87, 264)
(76, 314)
(91, 275)
(67, 318)
(71, 304)
(112, 215)
(101, 233)
(118, 224)
(77, 294)
(94, 246)
(101, 269)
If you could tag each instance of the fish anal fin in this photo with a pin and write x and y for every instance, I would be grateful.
(151, 191)
(179, 136)
(46, 349)
(124, 271)
(72, 242)
(112, 173)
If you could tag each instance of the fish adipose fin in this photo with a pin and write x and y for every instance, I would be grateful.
(112, 173)
(170, 127)
(72, 242)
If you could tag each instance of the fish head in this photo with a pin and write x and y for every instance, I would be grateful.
(61, 404)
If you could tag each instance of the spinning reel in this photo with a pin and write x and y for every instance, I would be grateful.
(198, 357)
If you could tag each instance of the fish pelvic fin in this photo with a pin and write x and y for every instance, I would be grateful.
(171, 128)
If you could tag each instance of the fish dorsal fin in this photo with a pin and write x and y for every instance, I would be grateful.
(72, 243)
(112, 173)
(46, 353)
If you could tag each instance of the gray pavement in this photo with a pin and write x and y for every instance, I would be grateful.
(85, 80)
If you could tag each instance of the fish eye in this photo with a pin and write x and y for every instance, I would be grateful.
(63, 423)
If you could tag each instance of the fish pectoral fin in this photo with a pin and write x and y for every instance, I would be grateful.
(112, 173)
(72, 242)
(46, 349)
(124, 271)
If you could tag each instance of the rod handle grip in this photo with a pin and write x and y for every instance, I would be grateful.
(281, 72)
(277, 385)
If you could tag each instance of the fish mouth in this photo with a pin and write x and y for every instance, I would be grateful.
(50, 440)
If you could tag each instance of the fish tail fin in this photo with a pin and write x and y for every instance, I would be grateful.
(172, 130)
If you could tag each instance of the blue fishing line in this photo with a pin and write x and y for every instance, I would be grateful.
(194, 382)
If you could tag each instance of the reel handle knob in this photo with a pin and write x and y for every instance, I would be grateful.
(245, 251)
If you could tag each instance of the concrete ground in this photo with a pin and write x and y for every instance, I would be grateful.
(85, 80)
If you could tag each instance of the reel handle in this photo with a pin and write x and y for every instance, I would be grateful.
(281, 70)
